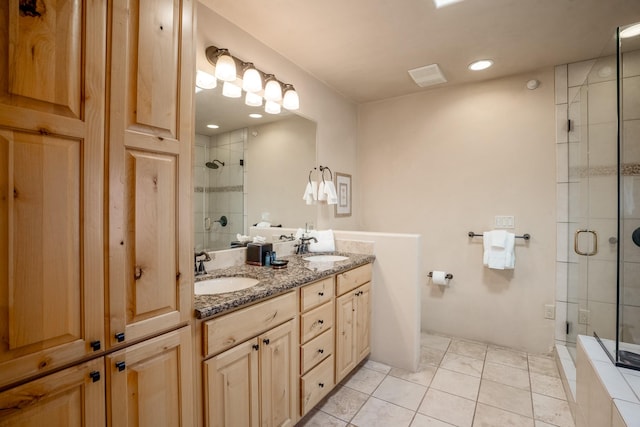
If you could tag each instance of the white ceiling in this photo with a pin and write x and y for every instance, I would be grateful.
(364, 48)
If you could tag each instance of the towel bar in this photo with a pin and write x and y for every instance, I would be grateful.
(525, 236)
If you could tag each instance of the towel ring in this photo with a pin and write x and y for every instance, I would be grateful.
(322, 169)
(310, 172)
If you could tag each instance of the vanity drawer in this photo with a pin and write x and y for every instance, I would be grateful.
(316, 384)
(316, 321)
(316, 350)
(230, 329)
(316, 294)
(353, 278)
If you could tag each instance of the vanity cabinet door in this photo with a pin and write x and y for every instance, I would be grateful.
(363, 322)
(149, 177)
(150, 383)
(231, 393)
(73, 397)
(345, 334)
(52, 74)
(278, 375)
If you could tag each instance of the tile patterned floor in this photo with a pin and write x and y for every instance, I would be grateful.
(459, 383)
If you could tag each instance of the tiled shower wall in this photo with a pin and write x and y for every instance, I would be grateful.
(586, 94)
(218, 192)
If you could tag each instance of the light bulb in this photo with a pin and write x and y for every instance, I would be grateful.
(251, 79)
(630, 31)
(205, 80)
(253, 99)
(272, 107)
(272, 90)
(231, 91)
(290, 100)
(225, 67)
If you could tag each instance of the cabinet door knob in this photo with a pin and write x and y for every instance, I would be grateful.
(321, 321)
(119, 336)
(120, 366)
(137, 274)
(256, 347)
(95, 345)
(266, 341)
(95, 376)
(321, 293)
(321, 385)
(320, 350)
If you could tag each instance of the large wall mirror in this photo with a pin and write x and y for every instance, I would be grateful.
(248, 170)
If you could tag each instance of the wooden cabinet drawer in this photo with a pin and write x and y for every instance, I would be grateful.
(316, 384)
(353, 278)
(230, 329)
(316, 321)
(316, 294)
(316, 350)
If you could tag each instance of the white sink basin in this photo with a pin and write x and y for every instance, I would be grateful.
(325, 258)
(221, 285)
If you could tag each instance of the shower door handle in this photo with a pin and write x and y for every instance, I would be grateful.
(576, 238)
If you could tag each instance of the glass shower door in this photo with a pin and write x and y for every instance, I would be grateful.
(593, 203)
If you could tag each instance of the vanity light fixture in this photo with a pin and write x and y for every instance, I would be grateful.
(482, 64)
(224, 62)
(272, 107)
(253, 99)
(290, 100)
(212, 126)
(251, 79)
(231, 91)
(272, 88)
(630, 31)
(205, 80)
(255, 116)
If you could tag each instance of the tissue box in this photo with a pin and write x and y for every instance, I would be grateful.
(257, 253)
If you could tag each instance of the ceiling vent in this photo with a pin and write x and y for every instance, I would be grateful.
(428, 75)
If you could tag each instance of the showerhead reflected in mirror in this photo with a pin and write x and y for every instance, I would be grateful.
(248, 168)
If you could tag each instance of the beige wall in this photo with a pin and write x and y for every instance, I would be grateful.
(446, 161)
(335, 116)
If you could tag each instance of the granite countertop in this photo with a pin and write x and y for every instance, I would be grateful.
(272, 281)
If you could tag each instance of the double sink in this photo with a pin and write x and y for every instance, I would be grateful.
(222, 285)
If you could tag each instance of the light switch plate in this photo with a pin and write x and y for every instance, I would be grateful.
(549, 311)
(504, 221)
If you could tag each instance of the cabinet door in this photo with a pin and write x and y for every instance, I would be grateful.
(278, 376)
(345, 334)
(150, 384)
(52, 66)
(231, 387)
(150, 136)
(73, 397)
(363, 322)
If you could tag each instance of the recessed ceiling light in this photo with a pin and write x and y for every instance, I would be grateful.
(631, 31)
(213, 126)
(482, 64)
(443, 3)
(255, 116)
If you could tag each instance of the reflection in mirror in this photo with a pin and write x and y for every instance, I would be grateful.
(248, 170)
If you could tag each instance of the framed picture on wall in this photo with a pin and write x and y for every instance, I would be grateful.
(343, 188)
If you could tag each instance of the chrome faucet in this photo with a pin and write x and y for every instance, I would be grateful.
(303, 246)
(198, 265)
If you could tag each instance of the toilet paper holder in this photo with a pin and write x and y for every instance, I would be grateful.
(447, 276)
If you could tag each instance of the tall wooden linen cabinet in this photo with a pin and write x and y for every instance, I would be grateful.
(95, 224)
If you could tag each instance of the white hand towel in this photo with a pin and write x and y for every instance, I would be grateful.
(326, 242)
(496, 257)
(310, 193)
(322, 195)
(498, 238)
(259, 239)
(330, 190)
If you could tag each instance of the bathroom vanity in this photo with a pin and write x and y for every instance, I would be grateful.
(269, 353)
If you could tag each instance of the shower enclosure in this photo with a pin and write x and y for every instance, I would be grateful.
(604, 200)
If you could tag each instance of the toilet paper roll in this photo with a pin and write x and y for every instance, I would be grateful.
(439, 278)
